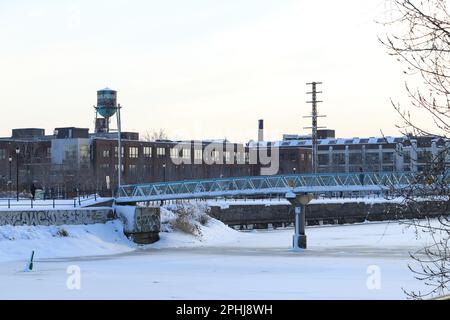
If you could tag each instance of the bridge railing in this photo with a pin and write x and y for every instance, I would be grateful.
(278, 184)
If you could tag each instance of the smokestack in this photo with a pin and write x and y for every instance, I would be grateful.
(261, 131)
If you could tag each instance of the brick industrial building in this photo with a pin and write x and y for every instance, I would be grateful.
(73, 158)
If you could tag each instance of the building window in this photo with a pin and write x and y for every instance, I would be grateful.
(133, 152)
(160, 152)
(388, 157)
(324, 159)
(147, 152)
(186, 153)
(355, 158)
(240, 157)
(216, 156)
(338, 158)
(70, 154)
(406, 157)
(424, 156)
(175, 153)
(116, 166)
(104, 166)
(372, 159)
(132, 169)
(106, 154)
(116, 152)
(2, 154)
(198, 154)
(84, 153)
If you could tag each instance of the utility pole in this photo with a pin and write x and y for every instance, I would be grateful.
(17, 172)
(314, 116)
(119, 151)
(10, 179)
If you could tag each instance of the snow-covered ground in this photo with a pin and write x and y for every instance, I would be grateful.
(221, 264)
(16, 243)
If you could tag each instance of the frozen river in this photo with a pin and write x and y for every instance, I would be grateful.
(368, 261)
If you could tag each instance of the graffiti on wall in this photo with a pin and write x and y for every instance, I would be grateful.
(147, 219)
(56, 217)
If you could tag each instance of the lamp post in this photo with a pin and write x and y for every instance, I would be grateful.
(10, 181)
(295, 170)
(17, 172)
(299, 202)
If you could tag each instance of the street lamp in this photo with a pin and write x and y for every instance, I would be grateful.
(10, 181)
(295, 170)
(299, 202)
(17, 172)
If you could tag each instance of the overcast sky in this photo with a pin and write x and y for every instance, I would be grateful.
(198, 68)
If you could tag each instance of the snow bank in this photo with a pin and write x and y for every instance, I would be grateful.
(16, 243)
(210, 231)
(126, 213)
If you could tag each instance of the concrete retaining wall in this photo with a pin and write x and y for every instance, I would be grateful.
(142, 225)
(260, 216)
(57, 217)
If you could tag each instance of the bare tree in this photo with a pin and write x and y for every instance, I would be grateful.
(419, 36)
(155, 135)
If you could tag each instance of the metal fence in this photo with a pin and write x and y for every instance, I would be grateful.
(53, 203)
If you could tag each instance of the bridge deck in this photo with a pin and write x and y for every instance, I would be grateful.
(264, 185)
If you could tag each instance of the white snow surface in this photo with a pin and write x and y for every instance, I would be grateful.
(220, 264)
(127, 214)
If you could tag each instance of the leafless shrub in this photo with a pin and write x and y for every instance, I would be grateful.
(204, 219)
(185, 220)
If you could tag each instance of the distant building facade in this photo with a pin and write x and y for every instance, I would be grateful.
(374, 154)
(73, 159)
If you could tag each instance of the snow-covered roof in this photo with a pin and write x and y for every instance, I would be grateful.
(107, 89)
(328, 141)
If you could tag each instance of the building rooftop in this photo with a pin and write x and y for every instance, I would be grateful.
(341, 141)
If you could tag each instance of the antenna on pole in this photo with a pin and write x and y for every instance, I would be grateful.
(314, 115)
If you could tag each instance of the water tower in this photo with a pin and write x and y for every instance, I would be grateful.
(105, 109)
